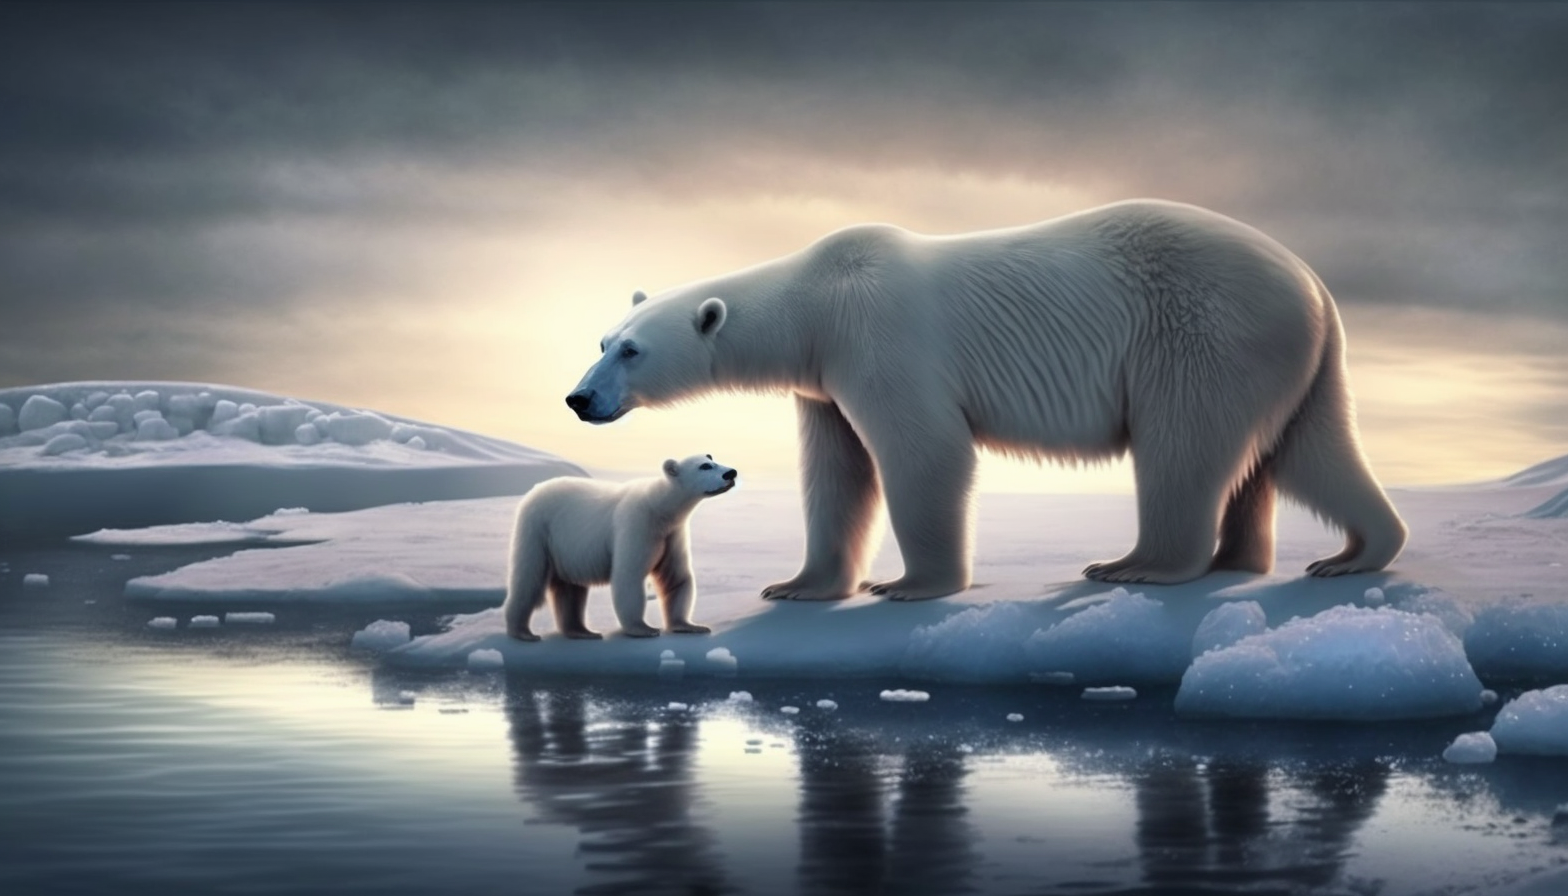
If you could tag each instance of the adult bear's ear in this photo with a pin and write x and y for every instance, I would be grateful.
(638, 298)
(671, 468)
(710, 316)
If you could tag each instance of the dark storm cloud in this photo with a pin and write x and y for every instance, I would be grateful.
(1413, 153)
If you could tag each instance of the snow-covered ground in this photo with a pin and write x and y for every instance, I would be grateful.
(1481, 594)
(80, 456)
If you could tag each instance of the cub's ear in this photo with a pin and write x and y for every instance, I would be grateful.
(671, 468)
(710, 316)
(638, 298)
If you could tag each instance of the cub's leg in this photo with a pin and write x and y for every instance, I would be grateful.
(526, 579)
(677, 588)
(570, 602)
(629, 568)
(839, 482)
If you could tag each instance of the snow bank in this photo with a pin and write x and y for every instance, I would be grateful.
(1129, 638)
(75, 457)
(1349, 663)
(1554, 508)
(443, 550)
(1518, 640)
(1535, 723)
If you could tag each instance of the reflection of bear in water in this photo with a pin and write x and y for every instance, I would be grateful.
(573, 532)
(1201, 827)
(849, 846)
(625, 783)
(1199, 345)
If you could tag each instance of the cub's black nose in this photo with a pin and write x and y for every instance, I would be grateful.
(579, 401)
(729, 475)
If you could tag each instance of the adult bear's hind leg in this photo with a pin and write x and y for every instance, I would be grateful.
(839, 483)
(1179, 501)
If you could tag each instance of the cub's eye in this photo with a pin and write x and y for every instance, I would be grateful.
(706, 467)
(602, 347)
(628, 352)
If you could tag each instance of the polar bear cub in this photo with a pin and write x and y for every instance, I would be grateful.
(573, 532)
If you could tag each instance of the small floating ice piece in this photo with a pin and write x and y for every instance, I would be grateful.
(753, 741)
(789, 710)
(486, 659)
(1015, 717)
(828, 705)
(669, 666)
(740, 696)
(35, 580)
(1488, 697)
(678, 707)
(1110, 694)
(250, 618)
(203, 622)
(162, 623)
(1373, 597)
(119, 556)
(899, 695)
(722, 662)
(1474, 748)
(381, 635)
(965, 748)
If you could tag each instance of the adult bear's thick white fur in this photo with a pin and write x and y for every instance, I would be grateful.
(573, 532)
(1196, 342)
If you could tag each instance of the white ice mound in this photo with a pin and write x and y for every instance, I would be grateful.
(381, 635)
(979, 644)
(486, 660)
(75, 457)
(1474, 748)
(1228, 623)
(1347, 663)
(1127, 639)
(1535, 723)
(1517, 640)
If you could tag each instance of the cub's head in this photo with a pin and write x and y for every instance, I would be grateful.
(659, 354)
(701, 475)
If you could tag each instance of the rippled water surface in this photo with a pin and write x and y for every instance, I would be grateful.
(271, 760)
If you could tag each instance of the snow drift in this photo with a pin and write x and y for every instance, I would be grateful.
(80, 456)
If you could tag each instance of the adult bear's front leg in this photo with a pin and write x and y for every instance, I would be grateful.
(926, 457)
(839, 482)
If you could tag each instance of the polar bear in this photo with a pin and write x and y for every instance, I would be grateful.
(1196, 343)
(573, 532)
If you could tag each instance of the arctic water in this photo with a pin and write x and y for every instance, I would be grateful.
(270, 758)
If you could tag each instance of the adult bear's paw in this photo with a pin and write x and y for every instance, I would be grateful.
(806, 588)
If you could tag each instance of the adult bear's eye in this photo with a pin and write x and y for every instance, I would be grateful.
(706, 467)
(628, 352)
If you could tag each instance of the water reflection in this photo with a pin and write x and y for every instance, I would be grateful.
(871, 822)
(898, 803)
(1211, 825)
(625, 783)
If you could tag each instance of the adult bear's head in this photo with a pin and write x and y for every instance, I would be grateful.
(660, 353)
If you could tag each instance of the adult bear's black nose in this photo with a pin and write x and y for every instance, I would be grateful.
(579, 401)
(729, 475)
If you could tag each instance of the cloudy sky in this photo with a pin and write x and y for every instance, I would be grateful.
(436, 210)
